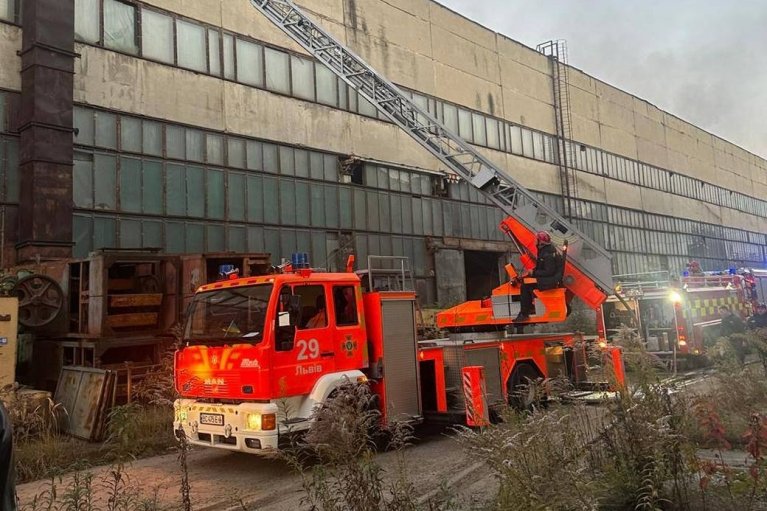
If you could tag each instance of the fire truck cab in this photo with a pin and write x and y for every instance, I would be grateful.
(672, 314)
(261, 353)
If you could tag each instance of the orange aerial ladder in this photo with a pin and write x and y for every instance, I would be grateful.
(587, 272)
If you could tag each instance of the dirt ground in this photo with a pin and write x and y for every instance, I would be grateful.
(222, 480)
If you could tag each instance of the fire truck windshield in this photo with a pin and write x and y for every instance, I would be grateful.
(236, 312)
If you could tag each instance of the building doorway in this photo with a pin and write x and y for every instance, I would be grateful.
(482, 271)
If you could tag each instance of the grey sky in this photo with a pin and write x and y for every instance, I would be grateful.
(702, 60)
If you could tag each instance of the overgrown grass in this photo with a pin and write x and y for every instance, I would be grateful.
(135, 431)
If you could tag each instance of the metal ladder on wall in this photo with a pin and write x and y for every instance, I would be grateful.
(556, 51)
(460, 157)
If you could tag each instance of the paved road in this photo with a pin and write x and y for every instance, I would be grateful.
(221, 480)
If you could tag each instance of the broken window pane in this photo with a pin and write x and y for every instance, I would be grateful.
(105, 182)
(120, 26)
(87, 19)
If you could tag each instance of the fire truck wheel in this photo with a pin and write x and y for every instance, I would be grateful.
(522, 390)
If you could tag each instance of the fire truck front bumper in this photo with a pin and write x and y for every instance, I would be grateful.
(246, 427)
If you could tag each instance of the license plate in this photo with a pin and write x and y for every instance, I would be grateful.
(212, 419)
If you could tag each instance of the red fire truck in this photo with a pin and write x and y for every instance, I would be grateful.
(673, 315)
(261, 353)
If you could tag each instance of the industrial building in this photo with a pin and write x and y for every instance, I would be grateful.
(196, 126)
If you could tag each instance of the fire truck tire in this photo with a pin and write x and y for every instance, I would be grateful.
(521, 389)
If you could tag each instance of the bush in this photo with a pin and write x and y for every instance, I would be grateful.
(336, 458)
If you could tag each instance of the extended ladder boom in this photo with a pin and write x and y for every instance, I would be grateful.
(584, 255)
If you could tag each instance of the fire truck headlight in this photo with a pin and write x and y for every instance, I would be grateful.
(258, 422)
(253, 421)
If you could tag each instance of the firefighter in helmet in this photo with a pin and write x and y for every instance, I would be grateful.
(547, 273)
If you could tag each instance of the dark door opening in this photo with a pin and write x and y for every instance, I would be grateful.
(482, 273)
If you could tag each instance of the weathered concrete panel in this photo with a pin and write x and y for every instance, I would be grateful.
(261, 114)
(10, 63)
(528, 111)
(609, 94)
(513, 50)
(525, 80)
(397, 63)
(618, 141)
(391, 25)
(658, 202)
(585, 130)
(468, 30)
(652, 153)
(128, 84)
(650, 130)
(623, 194)
(468, 90)
(465, 55)
(616, 116)
(531, 174)
(591, 187)
(580, 80)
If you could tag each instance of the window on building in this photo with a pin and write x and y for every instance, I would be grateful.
(527, 143)
(450, 114)
(152, 137)
(130, 134)
(464, 125)
(190, 46)
(175, 142)
(277, 71)
(87, 19)
(214, 52)
(10, 10)
(480, 130)
(83, 121)
(302, 76)
(327, 85)
(250, 63)
(157, 36)
(215, 149)
(106, 130)
(228, 52)
(120, 26)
